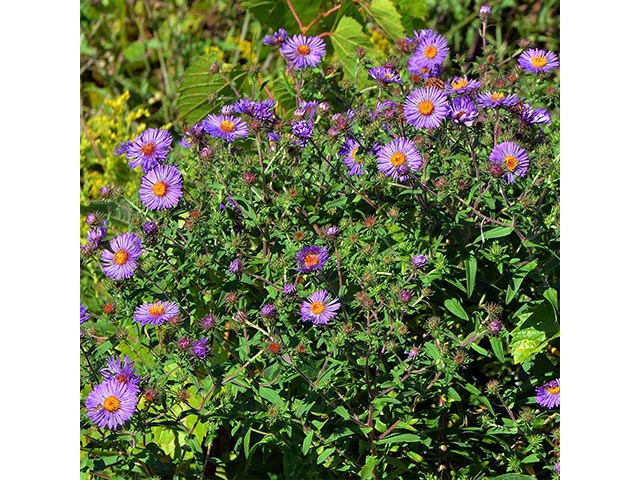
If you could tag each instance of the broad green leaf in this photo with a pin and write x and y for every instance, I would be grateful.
(403, 437)
(386, 16)
(496, 232)
(513, 476)
(470, 267)
(347, 37)
(340, 410)
(307, 442)
(497, 347)
(324, 455)
(454, 306)
(525, 343)
(551, 294)
(271, 396)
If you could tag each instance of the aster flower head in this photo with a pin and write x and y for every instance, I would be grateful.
(319, 308)
(289, 289)
(485, 11)
(399, 157)
(121, 370)
(332, 231)
(311, 258)
(96, 236)
(413, 353)
(426, 108)
(268, 310)
(235, 267)
(432, 48)
(385, 75)
(497, 99)
(461, 85)
(183, 343)
(156, 313)
(463, 110)
(419, 70)
(191, 136)
(111, 403)
(84, 314)
(227, 127)
(207, 322)
(548, 395)
(536, 60)
(122, 148)
(512, 158)
(122, 260)
(348, 151)
(277, 39)
(150, 228)
(161, 188)
(149, 149)
(200, 348)
(302, 131)
(302, 52)
(531, 116)
(419, 260)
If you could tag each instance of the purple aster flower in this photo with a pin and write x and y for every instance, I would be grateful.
(268, 310)
(461, 85)
(332, 231)
(122, 371)
(306, 108)
(161, 188)
(485, 11)
(556, 468)
(385, 75)
(535, 60)
(273, 138)
(531, 116)
(235, 267)
(106, 191)
(149, 149)
(289, 289)
(496, 99)
(463, 110)
(227, 127)
(319, 308)
(495, 326)
(417, 68)
(91, 218)
(96, 236)
(122, 260)
(311, 259)
(548, 395)
(348, 151)
(200, 348)
(512, 158)
(413, 353)
(419, 260)
(405, 296)
(84, 314)
(192, 135)
(303, 52)
(399, 157)
(156, 313)
(302, 130)
(111, 403)
(385, 109)
(432, 49)
(426, 107)
(277, 39)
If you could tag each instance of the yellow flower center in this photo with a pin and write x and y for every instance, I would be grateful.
(148, 149)
(511, 162)
(430, 51)
(156, 310)
(495, 96)
(304, 49)
(398, 158)
(311, 260)
(227, 126)
(353, 155)
(553, 389)
(425, 107)
(121, 257)
(317, 308)
(160, 189)
(111, 404)
(460, 83)
(539, 61)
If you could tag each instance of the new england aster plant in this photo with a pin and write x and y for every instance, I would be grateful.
(341, 276)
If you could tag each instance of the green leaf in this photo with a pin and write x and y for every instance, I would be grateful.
(324, 455)
(134, 51)
(347, 37)
(403, 437)
(367, 471)
(498, 349)
(471, 267)
(513, 476)
(551, 294)
(340, 410)
(384, 14)
(307, 442)
(454, 306)
(496, 232)
(271, 396)
(525, 343)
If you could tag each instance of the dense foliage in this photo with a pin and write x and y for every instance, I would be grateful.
(346, 266)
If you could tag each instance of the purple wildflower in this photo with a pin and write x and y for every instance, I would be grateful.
(289, 289)
(348, 151)
(536, 60)
(311, 259)
(200, 349)
(150, 228)
(302, 131)
(385, 75)
(405, 296)
(399, 157)
(268, 310)
(149, 149)
(122, 260)
(277, 39)
(161, 188)
(463, 110)
(156, 313)
(531, 116)
(419, 71)
(419, 260)
(207, 322)
(96, 236)
(123, 371)
(461, 85)
(227, 127)
(512, 158)
(84, 314)
(303, 52)
(432, 49)
(235, 267)
(319, 308)
(496, 99)
(548, 395)
(413, 353)
(183, 343)
(426, 108)
(111, 403)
